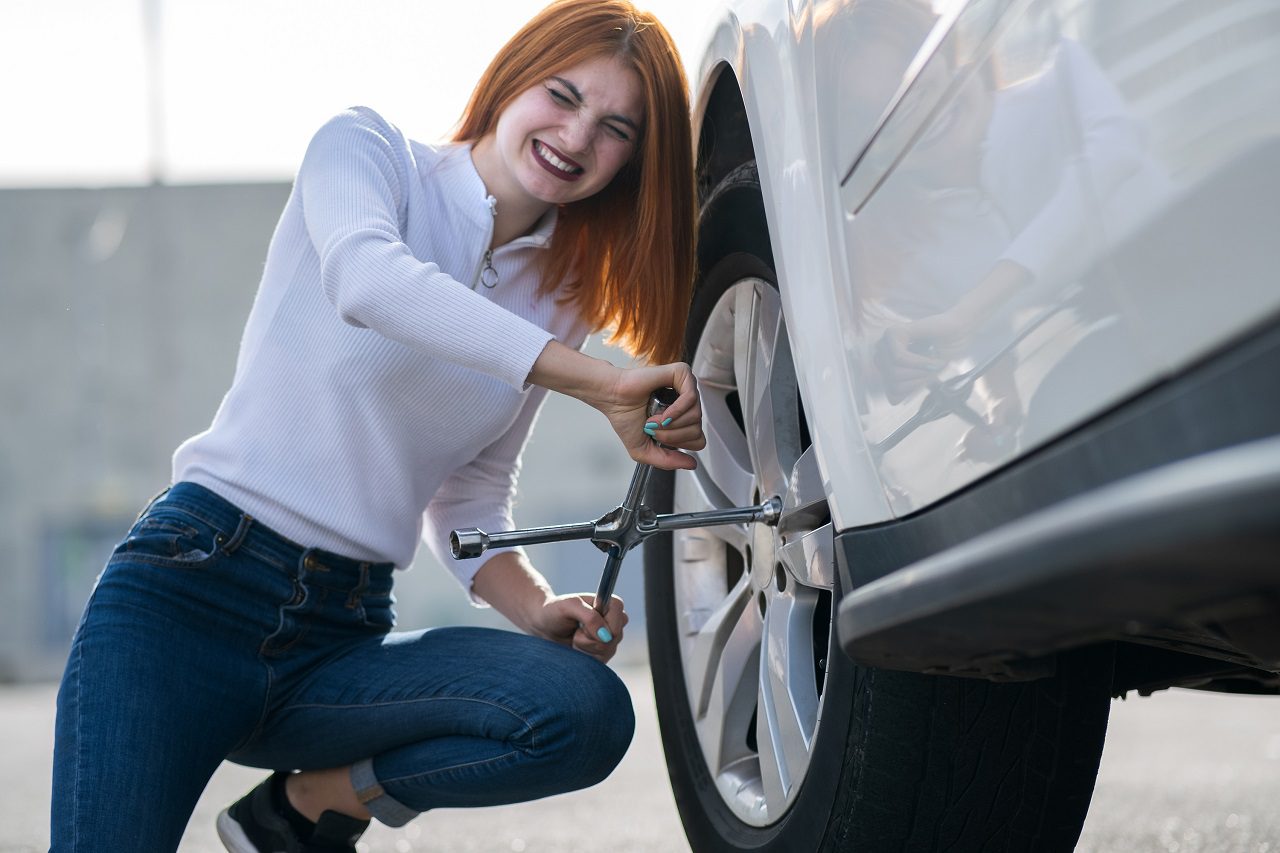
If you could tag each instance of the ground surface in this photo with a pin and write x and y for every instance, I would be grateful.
(1182, 772)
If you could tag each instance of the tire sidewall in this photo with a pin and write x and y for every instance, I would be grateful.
(709, 823)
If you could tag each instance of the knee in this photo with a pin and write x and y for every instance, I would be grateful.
(607, 705)
(595, 721)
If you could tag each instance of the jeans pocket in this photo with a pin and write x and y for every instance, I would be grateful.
(173, 538)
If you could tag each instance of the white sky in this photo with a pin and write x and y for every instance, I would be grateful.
(244, 83)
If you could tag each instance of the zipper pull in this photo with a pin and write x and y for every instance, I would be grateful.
(488, 275)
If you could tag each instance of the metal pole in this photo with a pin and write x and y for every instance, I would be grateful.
(151, 32)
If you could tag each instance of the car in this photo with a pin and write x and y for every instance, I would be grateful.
(987, 298)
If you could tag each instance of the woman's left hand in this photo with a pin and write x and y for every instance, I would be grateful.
(570, 620)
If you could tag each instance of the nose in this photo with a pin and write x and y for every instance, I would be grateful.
(577, 135)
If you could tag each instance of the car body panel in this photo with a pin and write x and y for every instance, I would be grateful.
(1059, 136)
(769, 53)
(1068, 183)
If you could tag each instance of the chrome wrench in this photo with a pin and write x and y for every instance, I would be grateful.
(619, 530)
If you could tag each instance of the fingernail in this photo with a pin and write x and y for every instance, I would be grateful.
(605, 635)
(649, 428)
(667, 422)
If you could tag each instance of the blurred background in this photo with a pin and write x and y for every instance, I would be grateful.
(146, 150)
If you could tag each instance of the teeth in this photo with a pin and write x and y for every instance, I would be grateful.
(554, 160)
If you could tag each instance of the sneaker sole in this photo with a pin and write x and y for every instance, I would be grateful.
(232, 836)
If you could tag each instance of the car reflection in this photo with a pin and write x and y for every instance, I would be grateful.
(973, 261)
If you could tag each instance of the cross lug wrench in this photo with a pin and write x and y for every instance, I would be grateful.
(621, 528)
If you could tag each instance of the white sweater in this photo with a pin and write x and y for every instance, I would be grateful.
(379, 393)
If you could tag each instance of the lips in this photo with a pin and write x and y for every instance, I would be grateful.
(556, 162)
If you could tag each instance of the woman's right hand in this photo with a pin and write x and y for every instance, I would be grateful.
(622, 395)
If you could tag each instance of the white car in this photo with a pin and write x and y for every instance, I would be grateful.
(988, 298)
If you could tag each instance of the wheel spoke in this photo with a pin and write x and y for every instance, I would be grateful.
(694, 494)
(721, 671)
(746, 305)
(726, 461)
(766, 385)
(810, 559)
(756, 324)
(788, 701)
(804, 503)
(808, 550)
(706, 652)
(727, 458)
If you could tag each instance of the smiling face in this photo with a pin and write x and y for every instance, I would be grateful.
(565, 138)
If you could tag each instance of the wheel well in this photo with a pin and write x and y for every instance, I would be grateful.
(725, 139)
(731, 209)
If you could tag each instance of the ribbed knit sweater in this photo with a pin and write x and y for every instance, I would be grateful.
(379, 393)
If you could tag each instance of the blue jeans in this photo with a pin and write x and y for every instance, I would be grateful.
(210, 637)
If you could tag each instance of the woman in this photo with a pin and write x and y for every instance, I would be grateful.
(417, 303)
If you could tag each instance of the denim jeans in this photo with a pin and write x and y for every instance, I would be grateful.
(210, 637)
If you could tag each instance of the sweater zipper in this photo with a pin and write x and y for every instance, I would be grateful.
(488, 276)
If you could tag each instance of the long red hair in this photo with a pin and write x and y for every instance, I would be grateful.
(626, 254)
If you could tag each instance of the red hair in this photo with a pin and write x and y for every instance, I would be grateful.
(626, 254)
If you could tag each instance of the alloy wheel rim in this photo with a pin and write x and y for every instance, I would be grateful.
(753, 602)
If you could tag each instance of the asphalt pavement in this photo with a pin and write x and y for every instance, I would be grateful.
(1183, 772)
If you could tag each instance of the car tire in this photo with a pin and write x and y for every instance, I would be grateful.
(896, 760)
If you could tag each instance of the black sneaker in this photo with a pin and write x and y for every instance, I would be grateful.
(256, 824)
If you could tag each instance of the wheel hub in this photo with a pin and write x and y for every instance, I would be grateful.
(761, 557)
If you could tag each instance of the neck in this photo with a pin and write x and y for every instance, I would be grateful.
(516, 213)
(508, 225)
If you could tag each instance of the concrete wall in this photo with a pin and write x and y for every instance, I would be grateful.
(120, 316)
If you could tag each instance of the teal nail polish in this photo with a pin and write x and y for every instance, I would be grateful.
(667, 422)
(605, 635)
(649, 428)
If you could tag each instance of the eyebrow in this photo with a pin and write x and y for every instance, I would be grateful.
(578, 95)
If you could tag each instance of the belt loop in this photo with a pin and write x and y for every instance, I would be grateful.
(237, 538)
(146, 509)
(354, 598)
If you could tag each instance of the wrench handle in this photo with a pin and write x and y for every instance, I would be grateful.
(658, 402)
(608, 579)
(660, 399)
(627, 512)
(467, 542)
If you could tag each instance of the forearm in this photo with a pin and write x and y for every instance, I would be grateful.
(567, 371)
(513, 587)
(623, 397)
(519, 592)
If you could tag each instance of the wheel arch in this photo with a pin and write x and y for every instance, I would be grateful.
(731, 208)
